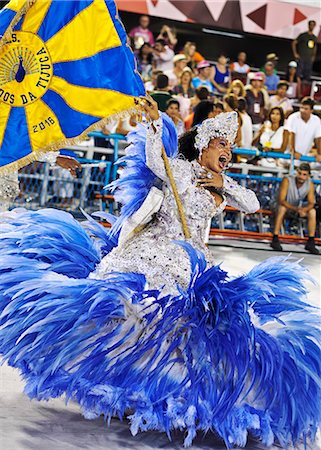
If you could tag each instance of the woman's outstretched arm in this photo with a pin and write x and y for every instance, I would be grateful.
(239, 197)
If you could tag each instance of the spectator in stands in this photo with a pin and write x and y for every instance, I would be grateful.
(172, 110)
(204, 76)
(255, 100)
(163, 56)
(174, 75)
(281, 99)
(304, 128)
(296, 199)
(144, 58)
(185, 87)
(294, 82)
(142, 34)
(247, 126)
(221, 76)
(169, 36)
(161, 94)
(271, 78)
(204, 110)
(151, 85)
(231, 104)
(237, 88)
(304, 49)
(192, 55)
(240, 65)
(272, 137)
(201, 94)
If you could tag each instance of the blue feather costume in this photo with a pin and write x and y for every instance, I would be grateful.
(200, 352)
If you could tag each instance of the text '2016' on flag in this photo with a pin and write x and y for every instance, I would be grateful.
(65, 67)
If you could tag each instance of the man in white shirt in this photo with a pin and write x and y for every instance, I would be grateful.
(163, 56)
(304, 128)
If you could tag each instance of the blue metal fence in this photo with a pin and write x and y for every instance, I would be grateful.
(45, 186)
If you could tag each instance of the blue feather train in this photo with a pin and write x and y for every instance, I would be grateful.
(234, 356)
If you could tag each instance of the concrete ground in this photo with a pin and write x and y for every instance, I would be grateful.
(29, 425)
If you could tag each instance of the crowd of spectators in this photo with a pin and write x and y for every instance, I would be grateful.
(189, 88)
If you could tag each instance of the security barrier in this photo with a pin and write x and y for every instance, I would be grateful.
(44, 186)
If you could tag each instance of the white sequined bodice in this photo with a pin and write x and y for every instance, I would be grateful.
(152, 251)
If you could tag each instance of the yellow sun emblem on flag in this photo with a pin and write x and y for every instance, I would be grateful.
(25, 69)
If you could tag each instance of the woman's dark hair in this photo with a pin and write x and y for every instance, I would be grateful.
(202, 110)
(149, 56)
(172, 101)
(202, 93)
(186, 145)
(241, 104)
(232, 101)
(282, 116)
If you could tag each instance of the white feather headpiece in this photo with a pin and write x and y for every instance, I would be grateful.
(224, 125)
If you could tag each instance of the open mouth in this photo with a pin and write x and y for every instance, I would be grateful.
(223, 161)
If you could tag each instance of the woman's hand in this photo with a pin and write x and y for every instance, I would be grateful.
(215, 180)
(150, 107)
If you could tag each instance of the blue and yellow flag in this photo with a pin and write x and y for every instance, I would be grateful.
(64, 67)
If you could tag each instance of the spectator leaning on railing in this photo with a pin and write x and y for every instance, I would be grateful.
(296, 200)
(304, 128)
(272, 137)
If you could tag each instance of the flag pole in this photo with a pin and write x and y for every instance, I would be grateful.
(178, 200)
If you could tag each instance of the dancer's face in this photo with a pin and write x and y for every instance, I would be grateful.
(217, 155)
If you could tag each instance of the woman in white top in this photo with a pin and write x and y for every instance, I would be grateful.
(272, 137)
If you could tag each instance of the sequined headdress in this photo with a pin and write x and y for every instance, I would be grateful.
(224, 125)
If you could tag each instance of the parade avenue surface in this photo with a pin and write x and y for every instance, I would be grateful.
(32, 425)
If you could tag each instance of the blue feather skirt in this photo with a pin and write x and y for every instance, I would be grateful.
(231, 356)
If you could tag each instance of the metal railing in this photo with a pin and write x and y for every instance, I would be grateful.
(44, 186)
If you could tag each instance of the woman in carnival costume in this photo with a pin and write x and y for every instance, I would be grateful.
(139, 321)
